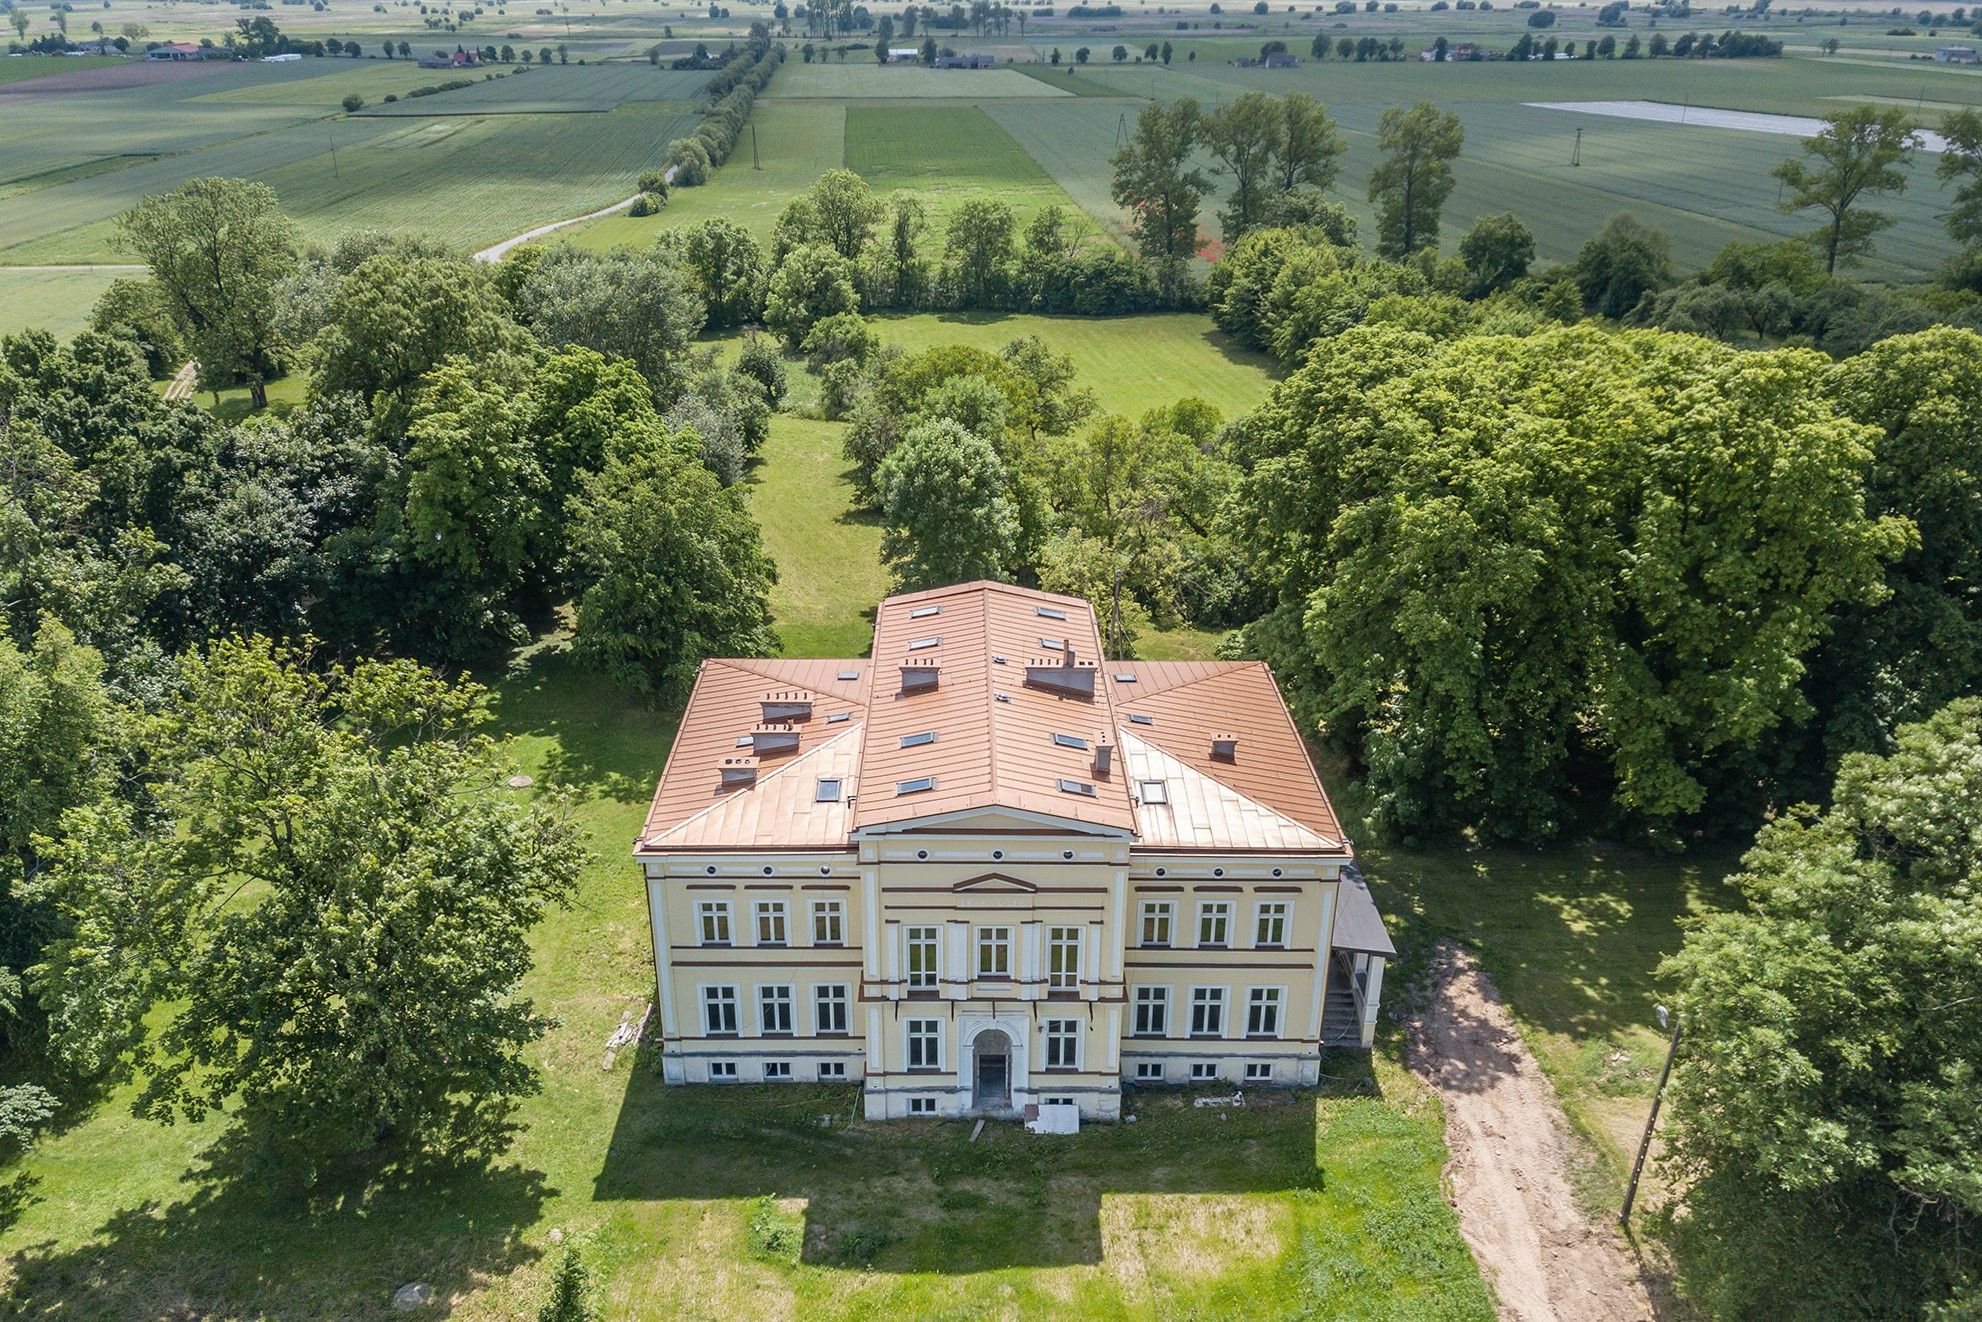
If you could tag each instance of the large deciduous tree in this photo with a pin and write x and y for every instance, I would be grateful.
(1157, 184)
(1410, 185)
(1825, 1136)
(218, 249)
(640, 306)
(1860, 154)
(1621, 263)
(327, 904)
(947, 515)
(727, 264)
(812, 282)
(1310, 150)
(1247, 136)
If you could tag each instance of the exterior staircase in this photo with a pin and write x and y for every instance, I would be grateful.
(1341, 1015)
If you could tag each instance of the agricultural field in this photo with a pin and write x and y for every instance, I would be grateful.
(867, 81)
(57, 301)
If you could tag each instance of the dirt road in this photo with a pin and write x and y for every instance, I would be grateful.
(1511, 1152)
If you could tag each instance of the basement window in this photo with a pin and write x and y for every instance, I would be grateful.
(1155, 791)
(1049, 612)
(828, 792)
(924, 644)
(917, 740)
(1076, 787)
(916, 786)
(1070, 741)
(924, 612)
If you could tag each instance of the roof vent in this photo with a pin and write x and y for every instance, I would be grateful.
(790, 705)
(770, 738)
(920, 676)
(739, 773)
(1224, 748)
(1104, 758)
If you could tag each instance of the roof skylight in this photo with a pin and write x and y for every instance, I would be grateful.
(1076, 787)
(1049, 612)
(1155, 791)
(1069, 741)
(1140, 719)
(924, 612)
(923, 644)
(916, 786)
(828, 791)
(918, 739)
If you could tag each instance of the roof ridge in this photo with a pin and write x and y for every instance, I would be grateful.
(992, 725)
(1149, 749)
(724, 802)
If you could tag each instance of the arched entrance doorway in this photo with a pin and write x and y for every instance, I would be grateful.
(991, 1055)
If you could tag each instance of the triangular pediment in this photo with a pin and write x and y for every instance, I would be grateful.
(995, 883)
(992, 820)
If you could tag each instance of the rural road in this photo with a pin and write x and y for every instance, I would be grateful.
(183, 381)
(1509, 1173)
(498, 251)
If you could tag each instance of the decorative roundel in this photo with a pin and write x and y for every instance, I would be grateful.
(1276, 872)
(767, 869)
(1066, 853)
(1162, 872)
(922, 853)
(711, 869)
(825, 869)
(997, 853)
(1218, 872)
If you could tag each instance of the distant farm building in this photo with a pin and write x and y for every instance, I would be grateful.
(1463, 50)
(288, 57)
(1957, 55)
(903, 55)
(1277, 60)
(461, 59)
(966, 61)
(176, 50)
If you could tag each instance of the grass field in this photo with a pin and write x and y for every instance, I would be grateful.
(867, 80)
(54, 301)
(21, 68)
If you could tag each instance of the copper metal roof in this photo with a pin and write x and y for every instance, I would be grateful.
(1015, 729)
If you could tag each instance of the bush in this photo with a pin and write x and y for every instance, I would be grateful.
(655, 182)
(762, 363)
(689, 160)
(354, 103)
(647, 204)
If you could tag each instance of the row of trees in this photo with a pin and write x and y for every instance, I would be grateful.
(731, 94)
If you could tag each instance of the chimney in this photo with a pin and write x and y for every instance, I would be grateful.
(774, 738)
(1104, 758)
(789, 705)
(739, 773)
(1061, 676)
(920, 676)
(1224, 748)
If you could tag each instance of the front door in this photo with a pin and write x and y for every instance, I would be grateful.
(994, 1070)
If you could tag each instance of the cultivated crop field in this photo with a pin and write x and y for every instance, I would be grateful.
(869, 81)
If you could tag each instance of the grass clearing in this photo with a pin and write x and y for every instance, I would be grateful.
(828, 552)
(20, 69)
(58, 302)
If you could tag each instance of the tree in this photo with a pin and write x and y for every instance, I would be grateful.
(813, 281)
(1410, 185)
(1620, 264)
(946, 512)
(1156, 182)
(1823, 1108)
(899, 275)
(883, 34)
(1497, 251)
(641, 306)
(844, 210)
(978, 251)
(1860, 154)
(727, 265)
(670, 566)
(1310, 147)
(1246, 136)
(334, 891)
(1961, 164)
(218, 248)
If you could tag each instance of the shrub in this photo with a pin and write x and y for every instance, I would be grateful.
(762, 363)
(354, 103)
(647, 204)
(774, 1235)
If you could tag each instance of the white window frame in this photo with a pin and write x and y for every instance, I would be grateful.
(1061, 1043)
(931, 938)
(1149, 1071)
(832, 1069)
(835, 997)
(828, 923)
(1164, 914)
(994, 940)
(777, 1071)
(1152, 1003)
(1214, 915)
(712, 922)
(774, 1005)
(1063, 958)
(922, 1106)
(1204, 1071)
(1274, 915)
(722, 1071)
(719, 1002)
(929, 1034)
(773, 923)
(1259, 1071)
(1208, 1003)
(1263, 1007)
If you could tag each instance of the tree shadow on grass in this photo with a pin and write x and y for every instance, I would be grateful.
(605, 741)
(243, 1243)
(920, 1196)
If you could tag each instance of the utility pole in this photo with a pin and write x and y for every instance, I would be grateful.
(755, 164)
(1658, 1095)
(1576, 152)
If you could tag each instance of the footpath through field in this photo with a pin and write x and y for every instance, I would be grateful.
(1510, 1145)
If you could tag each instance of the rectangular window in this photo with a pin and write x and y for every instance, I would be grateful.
(1203, 1071)
(994, 952)
(1062, 1044)
(770, 922)
(832, 1069)
(774, 1008)
(777, 1071)
(718, 1010)
(1214, 923)
(722, 1071)
(1156, 916)
(1259, 1071)
(921, 957)
(827, 790)
(1263, 1012)
(828, 923)
(922, 1106)
(925, 1044)
(829, 1007)
(1063, 957)
(1272, 928)
(712, 916)
(1207, 1012)
(1149, 1071)
(1152, 1011)
(1060, 1101)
